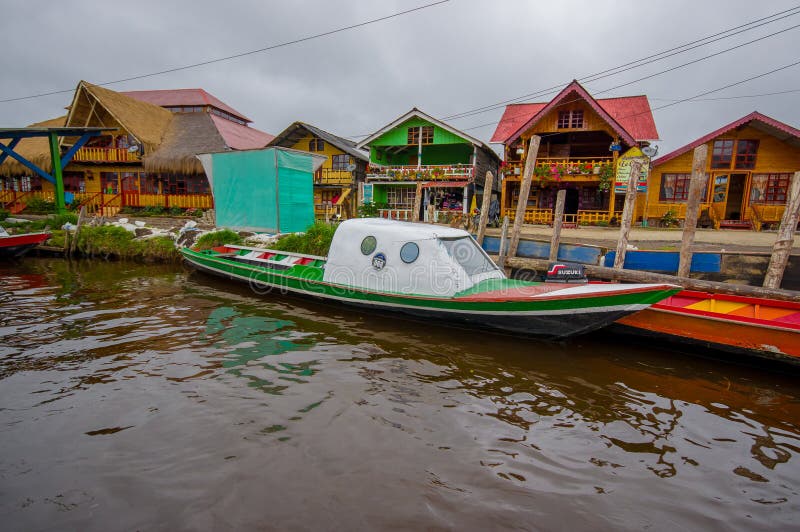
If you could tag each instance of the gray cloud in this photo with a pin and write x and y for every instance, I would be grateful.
(445, 60)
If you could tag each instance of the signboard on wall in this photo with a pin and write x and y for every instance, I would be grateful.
(367, 193)
(624, 170)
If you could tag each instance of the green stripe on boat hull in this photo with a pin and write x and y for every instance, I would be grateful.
(553, 318)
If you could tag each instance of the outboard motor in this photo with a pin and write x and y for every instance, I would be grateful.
(565, 272)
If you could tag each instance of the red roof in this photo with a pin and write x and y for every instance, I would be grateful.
(183, 97)
(240, 137)
(779, 129)
(514, 116)
(629, 116)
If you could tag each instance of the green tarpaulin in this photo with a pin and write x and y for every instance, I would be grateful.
(269, 190)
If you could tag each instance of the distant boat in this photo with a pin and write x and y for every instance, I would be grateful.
(737, 324)
(15, 246)
(433, 272)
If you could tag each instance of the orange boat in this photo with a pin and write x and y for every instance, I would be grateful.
(737, 324)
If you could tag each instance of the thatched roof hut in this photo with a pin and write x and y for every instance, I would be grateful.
(146, 122)
(170, 140)
(35, 149)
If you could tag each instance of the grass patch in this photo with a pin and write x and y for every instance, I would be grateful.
(315, 241)
(217, 238)
(54, 221)
(110, 241)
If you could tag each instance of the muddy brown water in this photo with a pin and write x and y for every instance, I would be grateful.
(150, 398)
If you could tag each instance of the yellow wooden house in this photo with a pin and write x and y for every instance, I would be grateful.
(749, 167)
(336, 182)
(581, 140)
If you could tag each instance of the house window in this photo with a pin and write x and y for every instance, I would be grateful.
(570, 119)
(427, 134)
(721, 154)
(340, 162)
(413, 135)
(770, 189)
(400, 197)
(316, 144)
(674, 188)
(746, 154)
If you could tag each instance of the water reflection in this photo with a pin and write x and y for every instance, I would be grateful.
(123, 385)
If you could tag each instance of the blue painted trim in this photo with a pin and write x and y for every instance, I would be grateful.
(666, 261)
(25, 162)
(78, 145)
(535, 249)
(11, 146)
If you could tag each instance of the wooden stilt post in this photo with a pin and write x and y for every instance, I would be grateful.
(430, 212)
(696, 186)
(627, 215)
(417, 203)
(525, 189)
(501, 260)
(561, 198)
(785, 239)
(74, 245)
(487, 199)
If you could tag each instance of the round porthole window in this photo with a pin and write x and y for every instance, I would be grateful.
(368, 245)
(409, 252)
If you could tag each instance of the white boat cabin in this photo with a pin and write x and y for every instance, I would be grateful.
(409, 258)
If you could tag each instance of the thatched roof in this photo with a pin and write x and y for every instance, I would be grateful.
(145, 121)
(36, 150)
(171, 140)
(188, 135)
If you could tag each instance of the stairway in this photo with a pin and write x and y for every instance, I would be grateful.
(16, 207)
(107, 211)
(736, 224)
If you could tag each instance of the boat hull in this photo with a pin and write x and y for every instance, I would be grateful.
(16, 246)
(722, 332)
(548, 318)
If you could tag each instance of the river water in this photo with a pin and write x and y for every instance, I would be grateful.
(149, 398)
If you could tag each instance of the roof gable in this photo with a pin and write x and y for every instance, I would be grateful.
(769, 125)
(416, 113)
(298, 130)
(145, 121)
(630, 116)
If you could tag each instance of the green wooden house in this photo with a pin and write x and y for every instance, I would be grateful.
(417, 161)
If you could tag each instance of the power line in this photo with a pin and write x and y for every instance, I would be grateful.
(643, 61)
(728, 97)
(235, 56)
(696, 97)
(700, 59)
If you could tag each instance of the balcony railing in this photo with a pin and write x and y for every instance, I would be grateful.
(455, 172)
(327, 176)
(106, 155)
(582, 217)
(564, 168)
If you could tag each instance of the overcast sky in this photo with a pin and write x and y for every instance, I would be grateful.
(445, 59)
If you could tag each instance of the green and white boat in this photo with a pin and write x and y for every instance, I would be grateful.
(432, 272)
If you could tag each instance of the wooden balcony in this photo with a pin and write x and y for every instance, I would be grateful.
(563, 169)
(455, 172)
(106, 155)
(327, 176)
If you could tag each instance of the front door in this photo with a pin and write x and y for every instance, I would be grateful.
(728, 195)
(733, 206)
(571, 201)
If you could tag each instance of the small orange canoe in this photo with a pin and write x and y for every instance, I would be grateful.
(738, 324)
